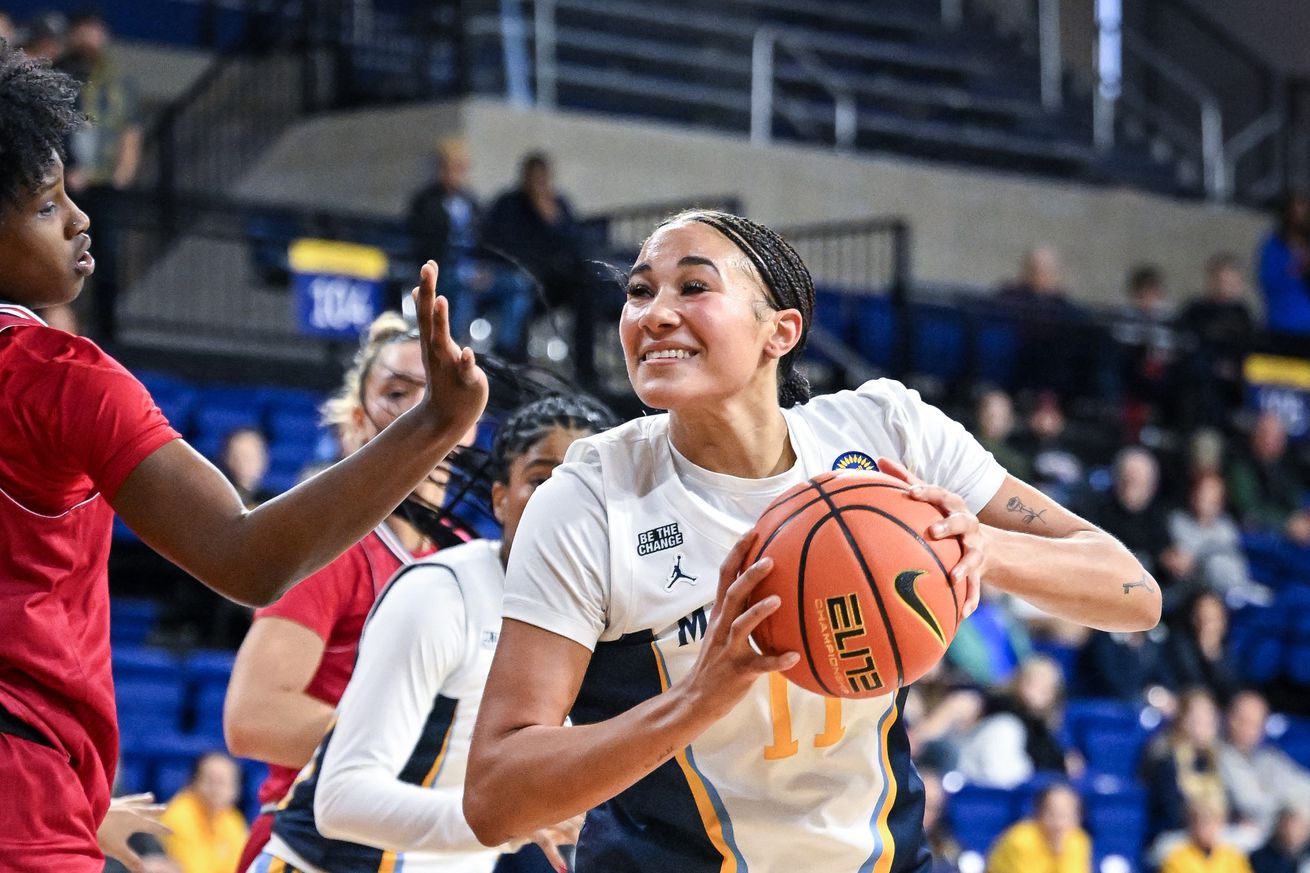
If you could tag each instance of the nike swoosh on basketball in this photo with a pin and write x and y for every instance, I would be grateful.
(906, 591)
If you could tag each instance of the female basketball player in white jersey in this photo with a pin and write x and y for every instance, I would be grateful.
(383, 791)
(688, 753)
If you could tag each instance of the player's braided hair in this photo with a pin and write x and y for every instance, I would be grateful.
(530, 423)
(785, 278)
(38, 110)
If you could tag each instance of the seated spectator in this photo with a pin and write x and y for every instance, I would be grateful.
(444, 220)
(1288, 848)
(1261, 778)
(995, 427)
(1285, 269)
(1218, 327)
(208, 830)
(1198, 649)
(1131, 667)
(534, 224)
(1211, 540)
(45, 37)
(1145, 346)
(1052, 841)
(1133, 514)
(936, 829)
(1057, 468)
(1265, 486)
(938, 716)
(8, 32)
(1046, 360)
(1181, 766)
(1017, 735)
(1204, 851)
(244, 460)
(990, 645)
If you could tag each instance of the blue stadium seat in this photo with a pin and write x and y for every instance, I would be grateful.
(220, 420)
(209, 713)
(293, 426)
(144, 662)
(876, 339)
(279, 482)
(289, 457)
(1256, 641)
(130, 619)
(1108, 733)
(1116, 819)
(149, 708)
(937, 341)
(207, 666)
(1295, 741)
(834, 312)
(996, 350)
(1065, 656)
(978, 815)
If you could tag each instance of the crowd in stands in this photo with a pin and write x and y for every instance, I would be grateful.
(104, 157)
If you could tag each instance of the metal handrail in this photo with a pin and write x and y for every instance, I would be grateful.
(1211, 140)
(763, 48)
(1245, 141)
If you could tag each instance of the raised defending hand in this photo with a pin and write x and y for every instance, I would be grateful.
(550, 839)
(959, 522)
(456, 386)
(130, 814)
(728, 663)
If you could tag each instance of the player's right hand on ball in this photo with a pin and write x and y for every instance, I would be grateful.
(728, 663)
(456, 386)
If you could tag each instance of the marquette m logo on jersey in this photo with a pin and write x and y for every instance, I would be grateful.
(657, 539)
(855, 461)
(848, 658)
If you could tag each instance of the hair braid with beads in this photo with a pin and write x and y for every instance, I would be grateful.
(786, 279)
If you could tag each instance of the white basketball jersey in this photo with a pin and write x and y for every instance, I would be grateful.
(789, 780)
(430, 744)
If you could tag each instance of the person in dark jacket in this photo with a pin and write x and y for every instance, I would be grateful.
(444, 224)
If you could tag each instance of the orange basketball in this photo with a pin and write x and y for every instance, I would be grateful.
(866, 596)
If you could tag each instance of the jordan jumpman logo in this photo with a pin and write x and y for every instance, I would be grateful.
(677, 575)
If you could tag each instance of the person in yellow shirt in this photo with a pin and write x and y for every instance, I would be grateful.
(1203, 852)
(1050, 842)
(208, 830)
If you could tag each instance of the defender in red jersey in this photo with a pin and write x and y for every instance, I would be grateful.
(80, 440)
(300, 652)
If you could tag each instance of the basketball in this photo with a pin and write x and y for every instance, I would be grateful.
(866, 596)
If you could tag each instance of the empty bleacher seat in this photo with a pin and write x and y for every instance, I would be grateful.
(149, 707)
(130, 619)
(144, 662)
(978, 815)
(938, 340)
(1108, 733)
(877, 331)
(1114, 813)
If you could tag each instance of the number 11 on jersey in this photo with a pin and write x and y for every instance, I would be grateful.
(784, 744)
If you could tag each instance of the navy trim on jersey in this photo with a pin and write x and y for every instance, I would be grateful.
(655, 824)
(905, 821)
(294, 820)
(294, 823)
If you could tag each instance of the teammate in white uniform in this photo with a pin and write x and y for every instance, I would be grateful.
(694, 753)
(383, 791)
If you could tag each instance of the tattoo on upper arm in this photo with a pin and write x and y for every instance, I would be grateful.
(1014, 504)
(1144, 582)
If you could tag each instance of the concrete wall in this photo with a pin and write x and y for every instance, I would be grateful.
(970, 226)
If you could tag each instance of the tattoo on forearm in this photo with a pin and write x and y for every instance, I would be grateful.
(1014, 504)
(1144, 582)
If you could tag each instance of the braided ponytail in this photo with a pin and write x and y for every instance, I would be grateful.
(785, 278)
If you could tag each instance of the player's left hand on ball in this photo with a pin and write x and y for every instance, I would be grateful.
(563, 834)
(959, 522)
(130, 814)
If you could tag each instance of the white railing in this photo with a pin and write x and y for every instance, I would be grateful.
(764, 48)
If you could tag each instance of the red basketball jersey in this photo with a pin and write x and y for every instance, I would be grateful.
(75, 424)
(333, 603)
